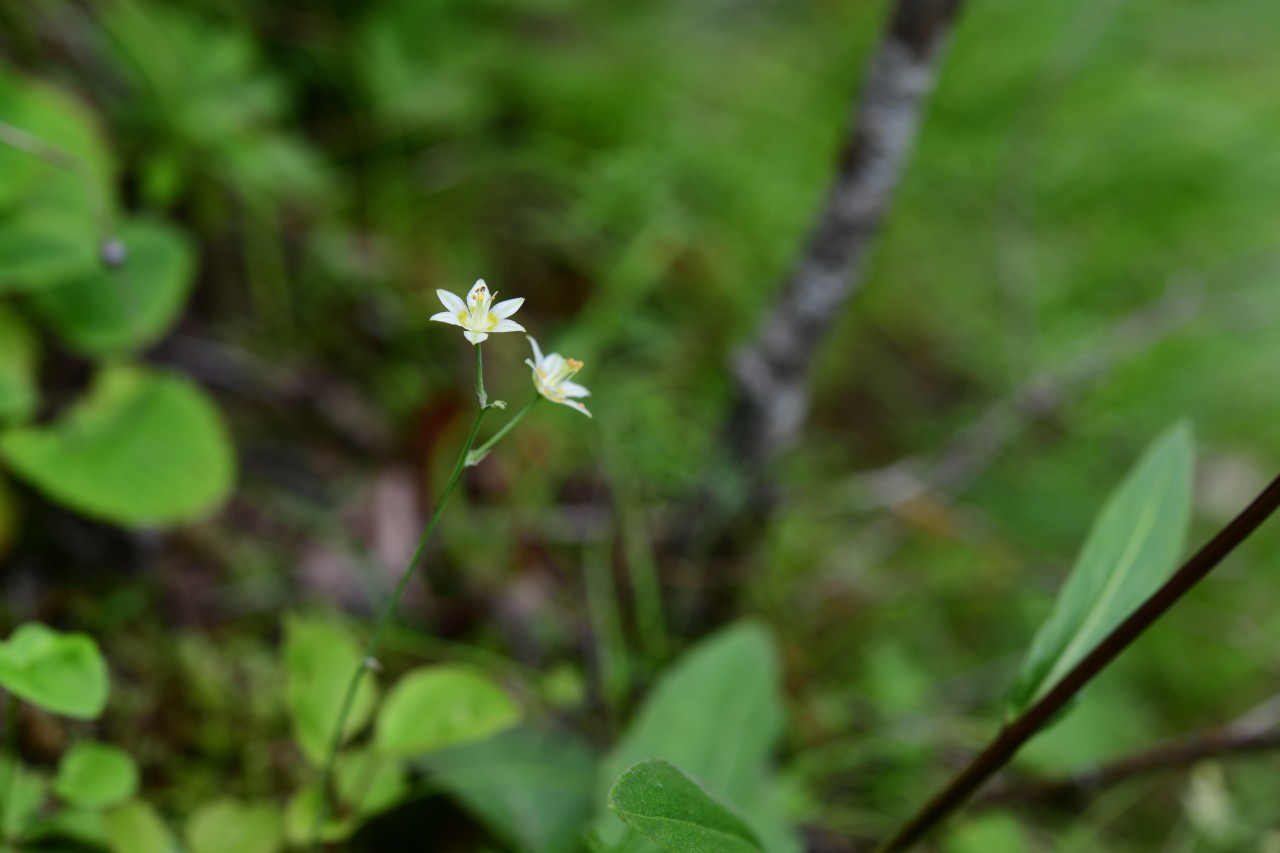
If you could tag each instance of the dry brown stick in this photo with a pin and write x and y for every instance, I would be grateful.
(770, 373)
(1254, 733)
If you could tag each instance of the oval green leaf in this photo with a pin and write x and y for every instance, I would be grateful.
(231, 826)
(436, 707)
(117, 310)
(319, 657)
(19, 356)
(675, 811)
(143, 448)
(61, 673)
(96, 776)
(1131, 550)
(136, 828)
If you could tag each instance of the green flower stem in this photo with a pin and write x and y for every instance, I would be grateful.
(480, 395)
(380, 628)
(474, 457)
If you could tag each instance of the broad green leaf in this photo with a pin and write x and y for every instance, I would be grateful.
(300, 819)
(96, 776)
(320, 657)
(232, 826)
(83, 826)
(136, 828)
(116, 310)
(43, 244)
(717, 714)
(1132, 549)
(62, 673)
(677, 813)
(19, 354)
(142, 448)
(441, 706)
(369, 783)
(27, 789)
(532, 787)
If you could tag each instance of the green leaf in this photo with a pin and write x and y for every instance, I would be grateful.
(118, 310)
(44, 244)
(136, 828)
(142, 448)
(674, 810)
(533, 787)
(717, 713)
(1132, 549)
(320, 657)
(62, 673)
(26, 793)
(96, 776)
(231, 826)
(300, 819)
(19, 355)
(435, 707)
(369, 783)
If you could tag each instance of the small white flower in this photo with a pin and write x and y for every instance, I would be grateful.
(478, 316)
(551, 375)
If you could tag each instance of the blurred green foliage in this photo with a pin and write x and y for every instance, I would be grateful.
(293, 181)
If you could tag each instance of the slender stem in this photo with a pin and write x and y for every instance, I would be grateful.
(474, 457)
(1017, 732)
(480, 395)
(380, 628)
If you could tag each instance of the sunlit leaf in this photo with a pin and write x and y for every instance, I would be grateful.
(62, 673)
(96, 776)
(231, 826)
(436, 707)
(142, 448)
(533, 787)
(115, 310)
(1131, 550)
(136, 828)
(320, 657)
(677, 813)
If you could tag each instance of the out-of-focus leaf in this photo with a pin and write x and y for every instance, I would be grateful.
(676, 812)
(136, 828)
(44, 245)
(116, 310)
(143, 448)
(533, 787)
(437, 707)
(96, 776)
(1132, 548)
(300, 819)
(231, 826)
(995, 833)
(62, 673)
(368, 782)
(717, 714)
(320, 657)
(19, 354)
(26, 793)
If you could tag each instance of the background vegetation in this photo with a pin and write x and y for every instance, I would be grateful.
(1089, 212)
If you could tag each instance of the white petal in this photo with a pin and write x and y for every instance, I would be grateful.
(578, 406)
(537, 352)
(475, 288)
(507, 326)
(506, 308)
(474, 337)
(452, 302)
(573, 389)
(446, 317)
(552, 364)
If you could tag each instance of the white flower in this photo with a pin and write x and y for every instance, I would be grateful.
(551, 375)
(478, 316)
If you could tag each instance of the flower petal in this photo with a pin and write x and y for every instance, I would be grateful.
(537, 352)
(479, 285)
(446, 317)
(474, 337)
(506, 308)
(507, 326)
(452, 302)
(573, 389)
(578, 406)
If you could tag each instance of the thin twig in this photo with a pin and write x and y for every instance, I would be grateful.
(1256, 732)
(1015, 734)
